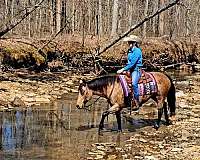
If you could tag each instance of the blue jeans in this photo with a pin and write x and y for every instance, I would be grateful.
(135, 78)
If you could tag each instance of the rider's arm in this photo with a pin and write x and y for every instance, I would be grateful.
(132, 59)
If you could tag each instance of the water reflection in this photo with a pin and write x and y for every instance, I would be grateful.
(56, 131)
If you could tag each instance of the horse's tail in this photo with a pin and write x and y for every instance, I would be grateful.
(171, 98)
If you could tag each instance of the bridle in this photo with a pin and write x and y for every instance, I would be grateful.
(87, 107)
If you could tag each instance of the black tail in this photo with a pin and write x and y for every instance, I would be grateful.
(171, 98)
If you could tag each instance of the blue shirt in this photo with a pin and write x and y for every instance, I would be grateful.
(134, 59)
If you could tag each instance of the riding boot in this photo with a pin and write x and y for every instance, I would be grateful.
(136, 105)
(128, 102)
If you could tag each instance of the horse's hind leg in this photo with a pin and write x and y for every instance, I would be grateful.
(166, 113)
(157, 124)
(160, 111)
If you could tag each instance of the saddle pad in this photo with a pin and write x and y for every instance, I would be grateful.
(124, 85)
(146, 85)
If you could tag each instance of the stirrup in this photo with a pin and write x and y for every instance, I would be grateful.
(136, 109)
(137, 106)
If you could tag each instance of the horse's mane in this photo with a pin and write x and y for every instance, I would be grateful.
(99, 83)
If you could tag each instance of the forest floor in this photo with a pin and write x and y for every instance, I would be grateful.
(178, 141)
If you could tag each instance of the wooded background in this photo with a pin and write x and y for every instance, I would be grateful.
(102, 18)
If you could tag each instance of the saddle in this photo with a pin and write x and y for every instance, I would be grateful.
(146, 84)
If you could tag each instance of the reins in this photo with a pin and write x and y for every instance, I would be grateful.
(88, 108)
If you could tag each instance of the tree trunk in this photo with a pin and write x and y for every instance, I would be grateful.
(40, 23)
(29, 20)
(145, 14)
(83, 22)
(51, 17)
(114, 19)
(12, 11)
(172, 19)
(100, 18)
(155, 24)
(58, 15)
(197, 22)
(89, 16)
(73, 16)
(29, 26)
(6, 9)
(161, 19)
(107, 17)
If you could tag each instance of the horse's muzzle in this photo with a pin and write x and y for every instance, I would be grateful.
(81, 106)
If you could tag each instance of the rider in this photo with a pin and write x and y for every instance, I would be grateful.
(134, 65)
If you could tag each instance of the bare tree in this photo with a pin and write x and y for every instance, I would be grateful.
(114, 19)
(145, 14)
(108, 17)
(14, 24)
(58, 15)
(161, 19)
(100, 18)
(51, 22)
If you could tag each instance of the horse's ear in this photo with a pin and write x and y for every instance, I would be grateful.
(82, 86)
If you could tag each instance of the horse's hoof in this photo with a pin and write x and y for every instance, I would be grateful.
(156, 126)
(100, 133)
(101, 127)
(168, 123)
(101, 130)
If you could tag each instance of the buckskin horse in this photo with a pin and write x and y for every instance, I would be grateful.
(110, 87)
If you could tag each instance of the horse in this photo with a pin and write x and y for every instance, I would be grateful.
(109, 87)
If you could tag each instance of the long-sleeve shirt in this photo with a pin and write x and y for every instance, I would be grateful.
(134, 59)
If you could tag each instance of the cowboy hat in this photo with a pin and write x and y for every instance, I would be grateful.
(132, 38)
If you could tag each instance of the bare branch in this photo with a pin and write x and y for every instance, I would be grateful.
(53, 37)
(13, 25)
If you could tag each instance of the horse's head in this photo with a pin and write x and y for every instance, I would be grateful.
(84, 94)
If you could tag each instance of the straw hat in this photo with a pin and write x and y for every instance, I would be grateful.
(132, 38)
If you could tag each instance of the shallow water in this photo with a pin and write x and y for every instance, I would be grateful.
(60, 131)
(57, 131)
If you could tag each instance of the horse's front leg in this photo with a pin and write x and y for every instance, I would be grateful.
(114, 109)
(104, 115)
(166, 114)
(118, 117)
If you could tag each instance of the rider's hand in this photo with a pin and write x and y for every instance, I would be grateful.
(120, 71)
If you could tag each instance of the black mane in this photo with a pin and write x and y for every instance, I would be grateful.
(99, 83)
